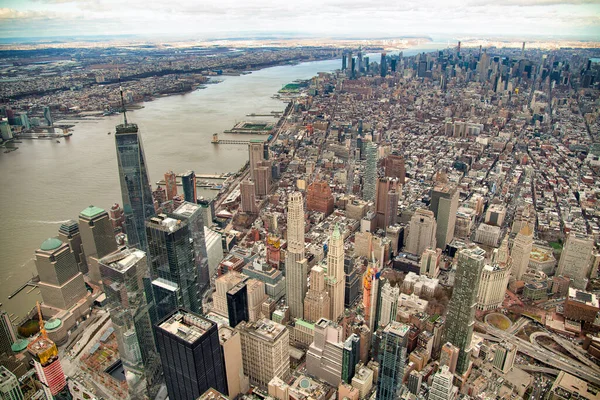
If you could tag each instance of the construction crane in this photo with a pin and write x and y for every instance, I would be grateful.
(41, 321)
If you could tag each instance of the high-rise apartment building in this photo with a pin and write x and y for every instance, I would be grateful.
(61, 284)
(421, 232)
(319, 197)
(124, 276)
(248, 194)
(263, 175)
(188, 182)
(317, 303)
(394, 167)
(191, 356)
(117, 217)
(265, 351)
(461, 309)
(441, 387)
(231, 343)
(430, 262)
(370, 177)
(576, 259)
(325, 355)
(351, 357)
(386, 202)
(10, 388)
(295, 261)
(192, 215)
(138, 205)
(449, 356)
(388, 303)
(335, 278)
(97, 235)
(392, 356)
(170, 184)
(69, 233)
(521, 251)
(444, 204)
(256, 154)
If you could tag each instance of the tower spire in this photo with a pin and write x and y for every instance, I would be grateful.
(122, 99)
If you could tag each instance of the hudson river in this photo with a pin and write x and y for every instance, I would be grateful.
(45, 183)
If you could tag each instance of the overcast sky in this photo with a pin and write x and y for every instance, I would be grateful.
(578, 19)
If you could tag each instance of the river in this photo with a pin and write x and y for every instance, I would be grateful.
(45, 183)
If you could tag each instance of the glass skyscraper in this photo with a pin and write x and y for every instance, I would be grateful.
(392, 356)
(123, 274)
(135, 185)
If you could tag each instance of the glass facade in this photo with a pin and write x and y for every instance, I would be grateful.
(392, 357)
(237, 304)
(135, 184)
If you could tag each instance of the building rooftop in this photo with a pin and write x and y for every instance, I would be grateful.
(583, 297)
(397, 328)
(212, 394)
(567, 384)
(122, 260)
(5, 375)
(187, 209)
(51, 244)
(264, 328)
(186, 325)
(91, 212)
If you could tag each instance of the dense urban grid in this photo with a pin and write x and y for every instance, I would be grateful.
(419, 227)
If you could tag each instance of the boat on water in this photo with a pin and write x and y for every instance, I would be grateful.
(108, 133)
(58, 141)
(217, 187)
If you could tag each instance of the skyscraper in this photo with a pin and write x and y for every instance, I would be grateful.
(575, 259)
(98, 238)
(263, 175)
(124, 274)
(135, 184)
(461, 309)
(9, 385)
(61, 284)
(335, 279)
(383, 65)
(188, 181)
(69, 233)
(47, 364)
(317, 303)
(370, 178)
(193, 215)
(351, 357)
(295, 261)
(325, 356)
(7, 333)
(388, 303)
(265, 351)
(191, 355)
(392, 356)
(504, 357)
(248, 193)
(237, 304)
(256, 154)
(394, 167)
(441, 387)
(172, 265)
(117, 218)
(421, 232)
(386, 202)
(521, 250)
(171, 184)
(444, 204)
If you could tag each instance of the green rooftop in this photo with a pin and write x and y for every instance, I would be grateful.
(51, 244)
(54, 323)
(305, 324)
(92, 211)
(19, 345)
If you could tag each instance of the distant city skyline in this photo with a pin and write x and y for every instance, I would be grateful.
(571, 19)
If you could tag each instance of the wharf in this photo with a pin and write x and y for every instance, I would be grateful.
(274, 114)
(28, 283)
(216, 140)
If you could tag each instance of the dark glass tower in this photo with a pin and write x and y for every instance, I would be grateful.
(392, 356)
(350, 357)
(191, 355)
(188, 181)
(461, 309)
(237, 304)
(135, 184)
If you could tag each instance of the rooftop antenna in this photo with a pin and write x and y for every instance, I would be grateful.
(122, 99)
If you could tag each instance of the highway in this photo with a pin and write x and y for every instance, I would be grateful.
(547, 357)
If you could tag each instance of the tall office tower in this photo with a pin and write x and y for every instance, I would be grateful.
(383, 65)
(386, 202)
(48, 116)
(98, 238)
(349, 65)
(256, 154)
(237, 304)
(222, 285)
(295, 261)
(504, 357)
(117, 217)
(317, 303)
(256, 297)
(521, 250)
(441, 387)
(370, 178)
(171, 184)
(135, 184)
(10, 389)
(415, 378)
(172, 265)
(325, 355)
(192, 214)
(351, 357)
(344, 61)
(263, 175)
(575, 259)
(7, 333)
(248, 192)
(61, 284)
(444, 203)
(392, 355)
(47, 364)
(394, 167)
(124, 274)
(69, 233)
(188, 181)
(430, 262)
(319, 197)
(388, 303)
(335, 279)
(492, 286)
(191, 356)
(265, 351)
(421, 232)
(231, 344)
(449, 356)
(461, 309)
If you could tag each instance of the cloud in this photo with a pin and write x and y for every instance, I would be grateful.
(12, 14)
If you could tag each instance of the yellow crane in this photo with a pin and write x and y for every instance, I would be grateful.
(41, 321)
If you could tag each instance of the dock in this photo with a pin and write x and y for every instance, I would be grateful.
(178, 183)
(274, 114)
(28, 283)
(216, 140)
